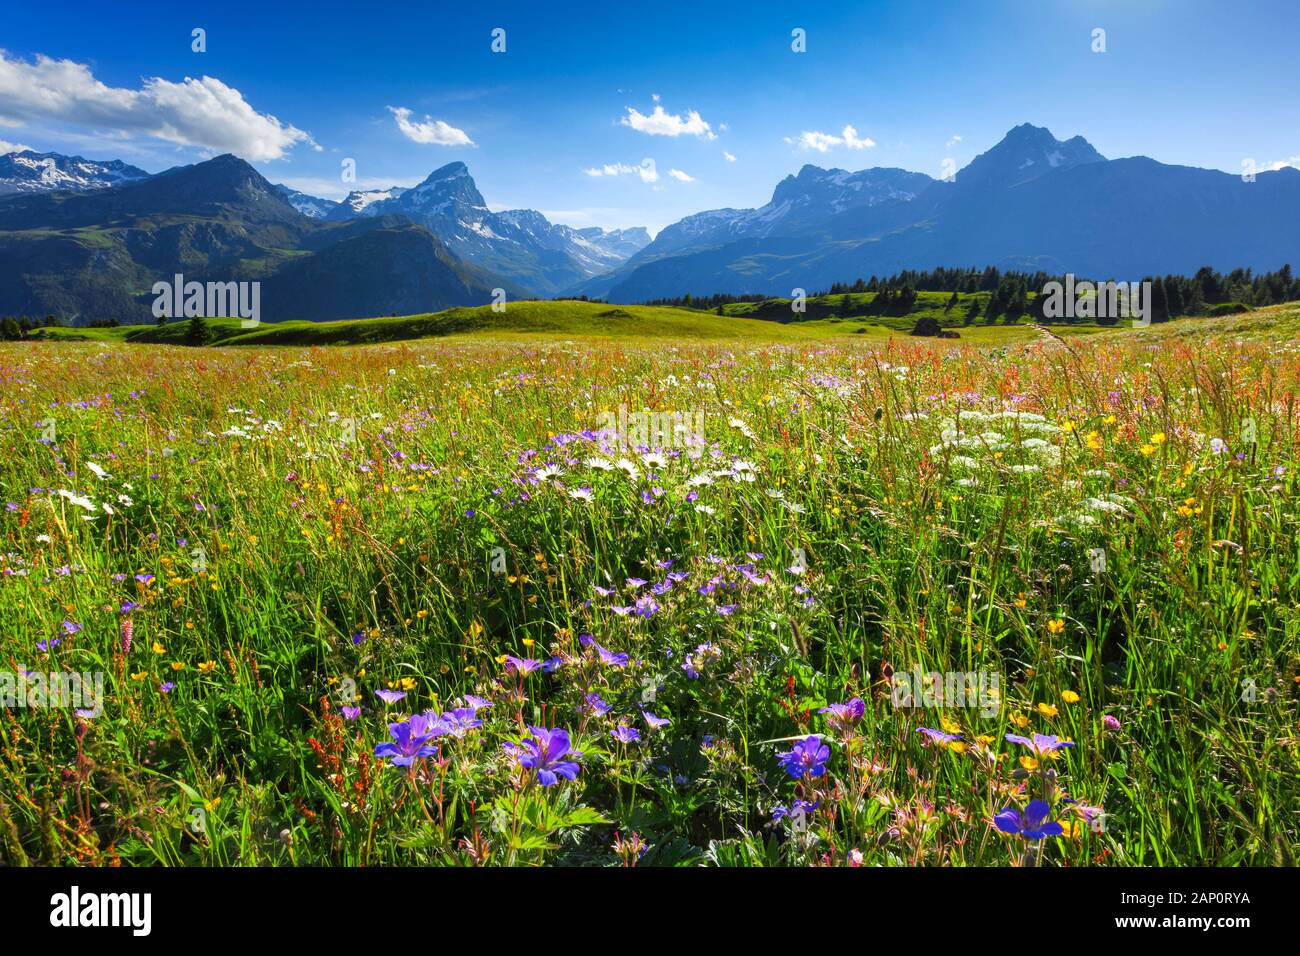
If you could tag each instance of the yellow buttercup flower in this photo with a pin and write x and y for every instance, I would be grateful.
(1047, 710)
(207, 667)
(1055, 626)
(158, 648)
(1069, 696)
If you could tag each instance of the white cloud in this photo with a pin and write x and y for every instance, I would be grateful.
(6, 147)
(430, 131)
(824, 142)
(647, 170)
(202, 112)
(662, 123)
(952, 142)
(730, 158)
(1294, 161)
(680, 176)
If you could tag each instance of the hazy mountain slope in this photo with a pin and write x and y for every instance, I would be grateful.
(520, 244)
(96, 255)
(1029, 202)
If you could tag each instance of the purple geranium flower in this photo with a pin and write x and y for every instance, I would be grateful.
(800, 808)
(654, 721)
(625, 734)
(350, 713)
(460, 721)
(938, 737)
(609, 657)
(1032, 824)
(845, 715)
(410, 740)
(545, 754)
(521, 665)
(390, 696)
(808, 757)
(1042, 745)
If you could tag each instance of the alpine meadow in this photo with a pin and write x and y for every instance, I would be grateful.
(942, 513)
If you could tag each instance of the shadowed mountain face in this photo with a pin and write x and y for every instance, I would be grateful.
(1030, 202)
(96, 255)
(520, 244)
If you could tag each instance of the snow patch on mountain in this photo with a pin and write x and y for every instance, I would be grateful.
(27, 171)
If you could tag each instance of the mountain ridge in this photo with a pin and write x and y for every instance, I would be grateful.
(1030, 201)
(94, 255)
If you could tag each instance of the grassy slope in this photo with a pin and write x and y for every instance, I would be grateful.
(764, 321)
(547, 318)
(571, 318)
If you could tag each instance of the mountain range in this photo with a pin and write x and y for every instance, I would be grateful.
(95, 254)
(86, 240)
(1031, 202)
(519, 244)
(27, 171)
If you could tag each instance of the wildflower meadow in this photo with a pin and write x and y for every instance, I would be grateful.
(489, 602)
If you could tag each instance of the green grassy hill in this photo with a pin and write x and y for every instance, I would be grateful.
(745, 321)
(564, 318)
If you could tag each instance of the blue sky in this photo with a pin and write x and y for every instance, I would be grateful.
(297, 89)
